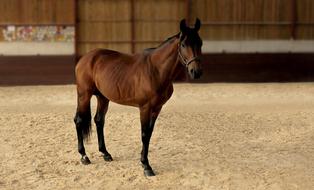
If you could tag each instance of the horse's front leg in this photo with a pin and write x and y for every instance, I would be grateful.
(148, 118)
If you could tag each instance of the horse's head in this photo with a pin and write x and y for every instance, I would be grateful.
(189, 49)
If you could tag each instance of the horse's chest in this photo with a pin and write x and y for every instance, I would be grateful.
(161, 97)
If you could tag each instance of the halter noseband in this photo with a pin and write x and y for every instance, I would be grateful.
(185, 61)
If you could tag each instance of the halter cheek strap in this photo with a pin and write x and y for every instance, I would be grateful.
(184, 61)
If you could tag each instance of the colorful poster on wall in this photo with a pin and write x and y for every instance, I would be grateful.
(38, 33)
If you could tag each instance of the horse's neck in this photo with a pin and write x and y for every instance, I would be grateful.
(165, 60)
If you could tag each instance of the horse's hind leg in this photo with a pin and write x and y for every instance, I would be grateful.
(82, 121)
(102, 107)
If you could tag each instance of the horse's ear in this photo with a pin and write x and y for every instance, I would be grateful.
(183, 26)
(197, 25)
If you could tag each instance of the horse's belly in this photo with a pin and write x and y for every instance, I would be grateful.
(126, 102)
(121, 96)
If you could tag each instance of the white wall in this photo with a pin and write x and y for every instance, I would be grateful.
(37, 48)
(259, 46)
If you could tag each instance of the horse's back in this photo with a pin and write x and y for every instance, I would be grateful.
(85, 66)
(89, 59)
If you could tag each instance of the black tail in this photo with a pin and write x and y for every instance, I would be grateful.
(83, 123)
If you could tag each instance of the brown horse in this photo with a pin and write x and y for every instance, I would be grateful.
(142, 80)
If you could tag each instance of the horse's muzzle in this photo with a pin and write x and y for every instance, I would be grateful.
(195, 74)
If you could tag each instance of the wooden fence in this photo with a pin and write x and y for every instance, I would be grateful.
(126, 25)
(34, 12)
(255, 19)
(104, 24)
(132, 25)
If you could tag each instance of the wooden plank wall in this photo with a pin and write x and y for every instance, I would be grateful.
(25, 12)
(305, 10)
(105, 24)
(277, 16)
(155, 21)
(108, 23)
(216, 12)
(36, 12)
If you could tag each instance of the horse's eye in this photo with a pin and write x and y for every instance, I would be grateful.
(183, 45)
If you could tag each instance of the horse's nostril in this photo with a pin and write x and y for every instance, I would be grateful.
(192, 71)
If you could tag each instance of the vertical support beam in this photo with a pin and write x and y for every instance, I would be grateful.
(20, 10)
(132, 15)
(188, 6)
(76, 20)
(294, 18)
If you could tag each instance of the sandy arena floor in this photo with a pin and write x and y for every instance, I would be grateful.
(208, 136)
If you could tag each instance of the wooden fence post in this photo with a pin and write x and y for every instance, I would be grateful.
(132, 12)
(76, 20)
(188, 5)
(294, 18)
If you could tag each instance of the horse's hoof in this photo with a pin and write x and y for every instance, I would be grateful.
(108, 158)
(85, 160)
(149, 173)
